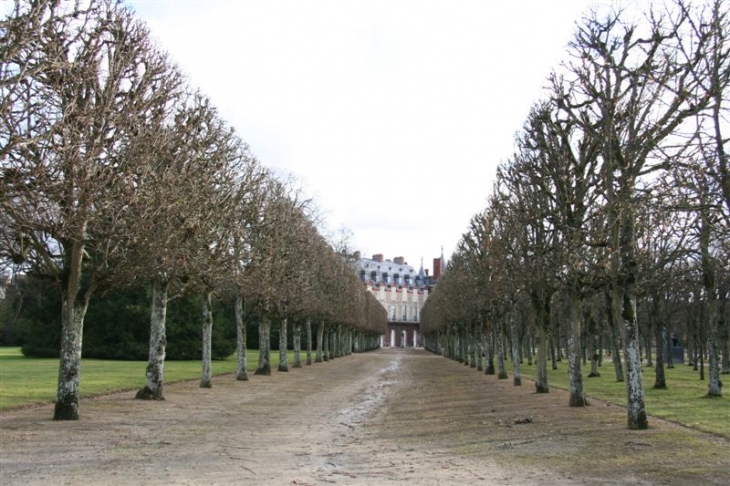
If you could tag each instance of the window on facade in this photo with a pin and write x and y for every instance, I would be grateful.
(392, 312)
(374, 276)
(385, 277)
(362, 274)
(396, 278)
(405, 313)
(415, 312)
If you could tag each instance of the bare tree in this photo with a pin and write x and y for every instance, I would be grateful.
(629, 90)
(179, 208)
(274, 268)
(80, 84)
(532, 207)
(216, 224)
(710, 21)
(556, 169)
(250, 214)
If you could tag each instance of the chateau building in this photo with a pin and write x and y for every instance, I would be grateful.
(401, 291)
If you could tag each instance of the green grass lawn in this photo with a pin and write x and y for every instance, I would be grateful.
(26, 381)
(684, 401)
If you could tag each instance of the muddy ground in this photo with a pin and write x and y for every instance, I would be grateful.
(387, 417)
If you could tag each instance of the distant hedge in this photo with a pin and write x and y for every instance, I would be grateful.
(117, 324)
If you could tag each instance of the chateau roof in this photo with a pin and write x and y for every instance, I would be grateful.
(391, 272)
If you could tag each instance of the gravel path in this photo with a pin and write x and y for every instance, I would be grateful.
(387, 417)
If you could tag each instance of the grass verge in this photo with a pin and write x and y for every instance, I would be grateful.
(684, 400)
(28, 381)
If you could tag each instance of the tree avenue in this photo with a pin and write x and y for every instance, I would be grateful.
(611, 219)
(604, 234)
(114, 172)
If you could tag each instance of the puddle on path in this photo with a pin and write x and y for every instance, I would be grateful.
(372, 397)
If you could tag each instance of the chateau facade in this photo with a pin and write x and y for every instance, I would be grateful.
(401, 291)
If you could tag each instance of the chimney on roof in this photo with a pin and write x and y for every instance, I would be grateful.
(378, 257)
(398, 260)
(436, 268)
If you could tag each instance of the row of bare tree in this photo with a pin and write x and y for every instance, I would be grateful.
(114, 171)
(617, 199)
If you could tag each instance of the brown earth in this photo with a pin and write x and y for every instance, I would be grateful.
(387, 417)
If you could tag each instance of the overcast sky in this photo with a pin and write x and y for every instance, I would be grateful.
(393, 114)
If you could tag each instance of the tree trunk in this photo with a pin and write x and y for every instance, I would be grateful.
(647, 346)
(264, 367)
(479, 343)
(326, 343)
(158, 342)
(501, 370)
(541, 378)
(724, 330)
(457, 342)
(667, 348)
(283, 338)
(660, 382)
(594, 365)
(701, 355)
(309, 341)
(713, 330)
(612, 301)
(725, 366)
(69, 373)
(583, 341)
(297, 341)
(489, 347)
(472, 347)
(637, 418)
(528, 344)
(320, 342)
(333, 351)
(466, 345)
(575, 375)
(73, 311)
(553, 358)
(357, 345)
(517, 375)
(241, 341)
(206, 379)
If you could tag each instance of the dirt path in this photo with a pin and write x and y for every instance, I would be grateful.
(389, 417)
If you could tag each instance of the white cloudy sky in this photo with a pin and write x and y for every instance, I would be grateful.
(393, 114)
